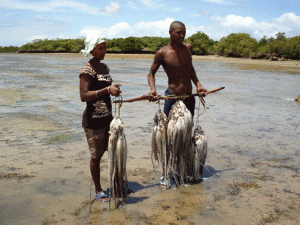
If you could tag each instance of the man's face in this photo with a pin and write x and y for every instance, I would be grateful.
(178, 33)
(99, 51)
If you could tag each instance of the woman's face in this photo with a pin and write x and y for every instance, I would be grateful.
(99, 51)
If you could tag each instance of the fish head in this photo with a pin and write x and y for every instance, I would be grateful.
(155, 119)
(198, 130)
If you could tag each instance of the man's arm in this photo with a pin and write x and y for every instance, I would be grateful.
(151, 75)
(189, 47)
(200, 89)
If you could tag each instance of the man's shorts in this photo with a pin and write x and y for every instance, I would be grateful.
(189, 102)
(97, 141)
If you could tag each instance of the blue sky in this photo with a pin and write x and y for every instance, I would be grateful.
(22, 21)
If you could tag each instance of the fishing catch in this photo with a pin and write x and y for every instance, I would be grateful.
(199, 146)
(179, 133)
(117, 159)
(159, 141)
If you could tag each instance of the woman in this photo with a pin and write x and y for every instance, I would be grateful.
(95, 89)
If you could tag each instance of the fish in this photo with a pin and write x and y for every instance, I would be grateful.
(117, 160)
(159, 140)
(179, 138)
(200, 152)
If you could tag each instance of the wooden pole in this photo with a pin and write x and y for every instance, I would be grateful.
(169, 97)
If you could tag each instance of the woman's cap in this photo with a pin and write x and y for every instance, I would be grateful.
(90, 42)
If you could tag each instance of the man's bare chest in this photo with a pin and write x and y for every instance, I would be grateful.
(177, 63)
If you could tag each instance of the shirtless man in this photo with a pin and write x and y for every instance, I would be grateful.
(176, 59)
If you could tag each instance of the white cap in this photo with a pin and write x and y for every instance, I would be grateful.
(90, 42)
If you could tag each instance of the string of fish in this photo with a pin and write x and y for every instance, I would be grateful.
(179, 139)
(187, 148)
(117, 160)
(199, 147)
(159, 151)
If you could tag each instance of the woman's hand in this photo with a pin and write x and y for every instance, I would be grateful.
(114, 90)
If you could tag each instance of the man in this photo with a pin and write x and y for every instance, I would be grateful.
(176, 59)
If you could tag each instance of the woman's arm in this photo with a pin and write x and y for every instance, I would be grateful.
(87, 95)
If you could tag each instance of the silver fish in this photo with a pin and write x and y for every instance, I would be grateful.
(159, 140)
(179, 141)
(117, 159)
(200, 152)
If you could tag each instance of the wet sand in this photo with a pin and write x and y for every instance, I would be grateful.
(250, 179)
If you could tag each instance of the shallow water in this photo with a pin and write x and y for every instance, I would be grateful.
(252, 128)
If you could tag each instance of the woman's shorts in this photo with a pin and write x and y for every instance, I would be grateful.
(97, 141)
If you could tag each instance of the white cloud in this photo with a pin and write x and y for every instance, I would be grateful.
(147, 2)
(121, 29)
(175, 9)
(288, 23)
(150, 4)
(113, 8)
(54, 5)
(155, 28)
(203, 13)
(131, 5)
(237, 21)
(140, 29)
(221, 27)
(289, 18)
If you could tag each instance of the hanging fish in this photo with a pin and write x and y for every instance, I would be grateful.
(179, 141)
(117, 159)
(199, 147)
(159, 140)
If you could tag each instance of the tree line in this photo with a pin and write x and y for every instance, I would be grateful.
(233, 45)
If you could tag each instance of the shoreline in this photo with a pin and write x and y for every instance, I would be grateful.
(288, 66)
(195, 57)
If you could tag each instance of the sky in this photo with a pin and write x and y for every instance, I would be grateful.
(22, 21)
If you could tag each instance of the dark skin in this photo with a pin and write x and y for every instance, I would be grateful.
(86, 95)
(176, 59)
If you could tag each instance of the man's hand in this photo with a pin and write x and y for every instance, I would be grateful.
(154, 97)
(201, 91)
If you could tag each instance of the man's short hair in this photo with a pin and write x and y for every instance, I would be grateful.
(176, 23)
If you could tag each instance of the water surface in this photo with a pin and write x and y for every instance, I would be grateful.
(252, 128)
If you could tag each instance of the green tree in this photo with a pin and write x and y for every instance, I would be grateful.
(9, 49)
(131, 44)
(237, 45)
(114, 44)
(292, 48)
(202, 44)
(280, 36)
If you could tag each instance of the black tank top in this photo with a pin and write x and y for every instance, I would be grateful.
(98, 113)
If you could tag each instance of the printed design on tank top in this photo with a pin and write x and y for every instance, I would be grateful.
(104, 77)
(101, 110)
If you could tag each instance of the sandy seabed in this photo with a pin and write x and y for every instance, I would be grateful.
(47, 181)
